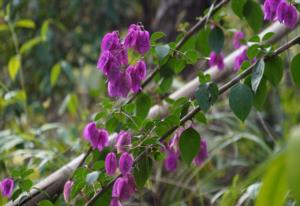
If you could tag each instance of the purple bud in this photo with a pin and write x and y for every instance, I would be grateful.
(110, 164)
(115, 202)
(67, 189)
(103, 139)
(110, 41)
(6, 187)
(240, 59)
(118, 187)
(287, 14)
(130, 186)
(89, 130)
(125, 163)
(108, 63)
(216, 60)
(131, 37)
(141, 69)
(171, 160)
(123, 141)
(237, 37)
(269, 8)
(203, 153)
(124, 187)
(135, 80)
(143, 42)
(173, 143)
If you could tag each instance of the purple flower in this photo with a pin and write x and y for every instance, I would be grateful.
(270, 7)
(216, 60)
(110, 163)
(110, 41)
(138, 39)
(137, 74)
(123, 141)
(115, 202)
(67, 189)
(121, 86)
(203, 153)
(109, 65)
(125, 163)
(287, 14)
(102, 139)
(170, 162)
(124, 187)
(240, 59)
(89, 130)
(6, 187)
(173, 143)
(237, 37)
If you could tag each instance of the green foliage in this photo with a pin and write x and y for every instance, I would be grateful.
(55, 72)
(189, 145)
(295, 70)
(260, 95)
(14, 66)
(206, 95)
(253, 14)
(216, 39)
(257, 74)
(143, 104)
(238, 7)
(240, 100)
(142, 171)
(274, 70)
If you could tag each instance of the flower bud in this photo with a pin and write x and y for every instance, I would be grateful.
(170, 162)
(203, 153)
(216, 60)
(6, 187)
(143, 42)
(125, 163)
(103, 139)
(67, 189)
(89, 130)
(110, 164)
(123, 141)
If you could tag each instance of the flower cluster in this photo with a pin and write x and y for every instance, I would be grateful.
(113, 60)
(124, 187)
(6, 187)
(282, 11)
(97, 137)
(173, 153)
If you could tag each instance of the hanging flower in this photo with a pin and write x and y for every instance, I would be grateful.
(287, 14)
(125, 163)
(110, 163)
(67, 189)
(123, 141)
(216, 60)
(6, 187)
(203, 153)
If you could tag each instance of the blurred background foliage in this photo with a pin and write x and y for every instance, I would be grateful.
(50, 88)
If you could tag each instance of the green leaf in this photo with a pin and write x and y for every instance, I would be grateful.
(274, 70)
(202, 97)
(162, 51)
(240, 100)
(25, 23)
(295, 69)
(257, 74)
(237, 7)
(216, 39)
(253, 51)
(177, 65)
(55, 71)
(143, 104)
(92, 177)
(25, 185)
(142, 171)
(214, 92)
(45, 203)
(156, 36)
(189, 145)
(14, 66)
(260, 95)
(200, 117)
(293, 170)
(104, 199)
(202, 42)
(274, 184)
(253, 14)
(27, 46)
(268, 36)
(191, 56)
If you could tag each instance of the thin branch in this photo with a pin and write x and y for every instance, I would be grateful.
(192, 113)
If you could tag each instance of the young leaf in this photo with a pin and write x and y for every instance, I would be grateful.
(156, 36)
(214, 92)
(216, 39)
(253, 14)
(14, 65)
(202, 97)
(295, 69)
(260, 95)
(142, 171)
(189, 145)
(240, 100)
(257, 74)
(55, 71)
(25, 23)
(237, 7)
(45, 203)
(191, 56)
(143, 104)
(274, 70)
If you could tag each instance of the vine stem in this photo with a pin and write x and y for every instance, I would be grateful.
(192, 113)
